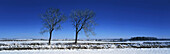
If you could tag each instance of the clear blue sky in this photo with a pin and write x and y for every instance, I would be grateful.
(115, 18)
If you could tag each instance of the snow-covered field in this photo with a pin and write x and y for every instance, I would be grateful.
(112, 50)
(9, 42)
(14, 45)
(93, 51)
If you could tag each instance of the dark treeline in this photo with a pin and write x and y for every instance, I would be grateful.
(145, 38)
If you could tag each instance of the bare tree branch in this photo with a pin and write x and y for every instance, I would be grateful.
(51, 20)
(83, 19)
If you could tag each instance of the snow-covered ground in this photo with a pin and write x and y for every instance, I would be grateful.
(9, 42)
(112, 50)
(7, 45)
(93, 51)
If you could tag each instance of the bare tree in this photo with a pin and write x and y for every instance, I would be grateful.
(51, 21)
(83, 19)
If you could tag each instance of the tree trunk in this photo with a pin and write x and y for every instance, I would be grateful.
(76, 38)
(49, 43)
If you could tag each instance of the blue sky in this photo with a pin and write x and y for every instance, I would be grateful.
(115, 18)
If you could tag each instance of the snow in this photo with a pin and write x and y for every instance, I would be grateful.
(113, 50)
(93, 51)
(20, 44)
(10, 42)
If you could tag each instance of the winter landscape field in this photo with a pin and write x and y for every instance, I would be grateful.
(91, 47)
(93, 51)
(84, 26)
